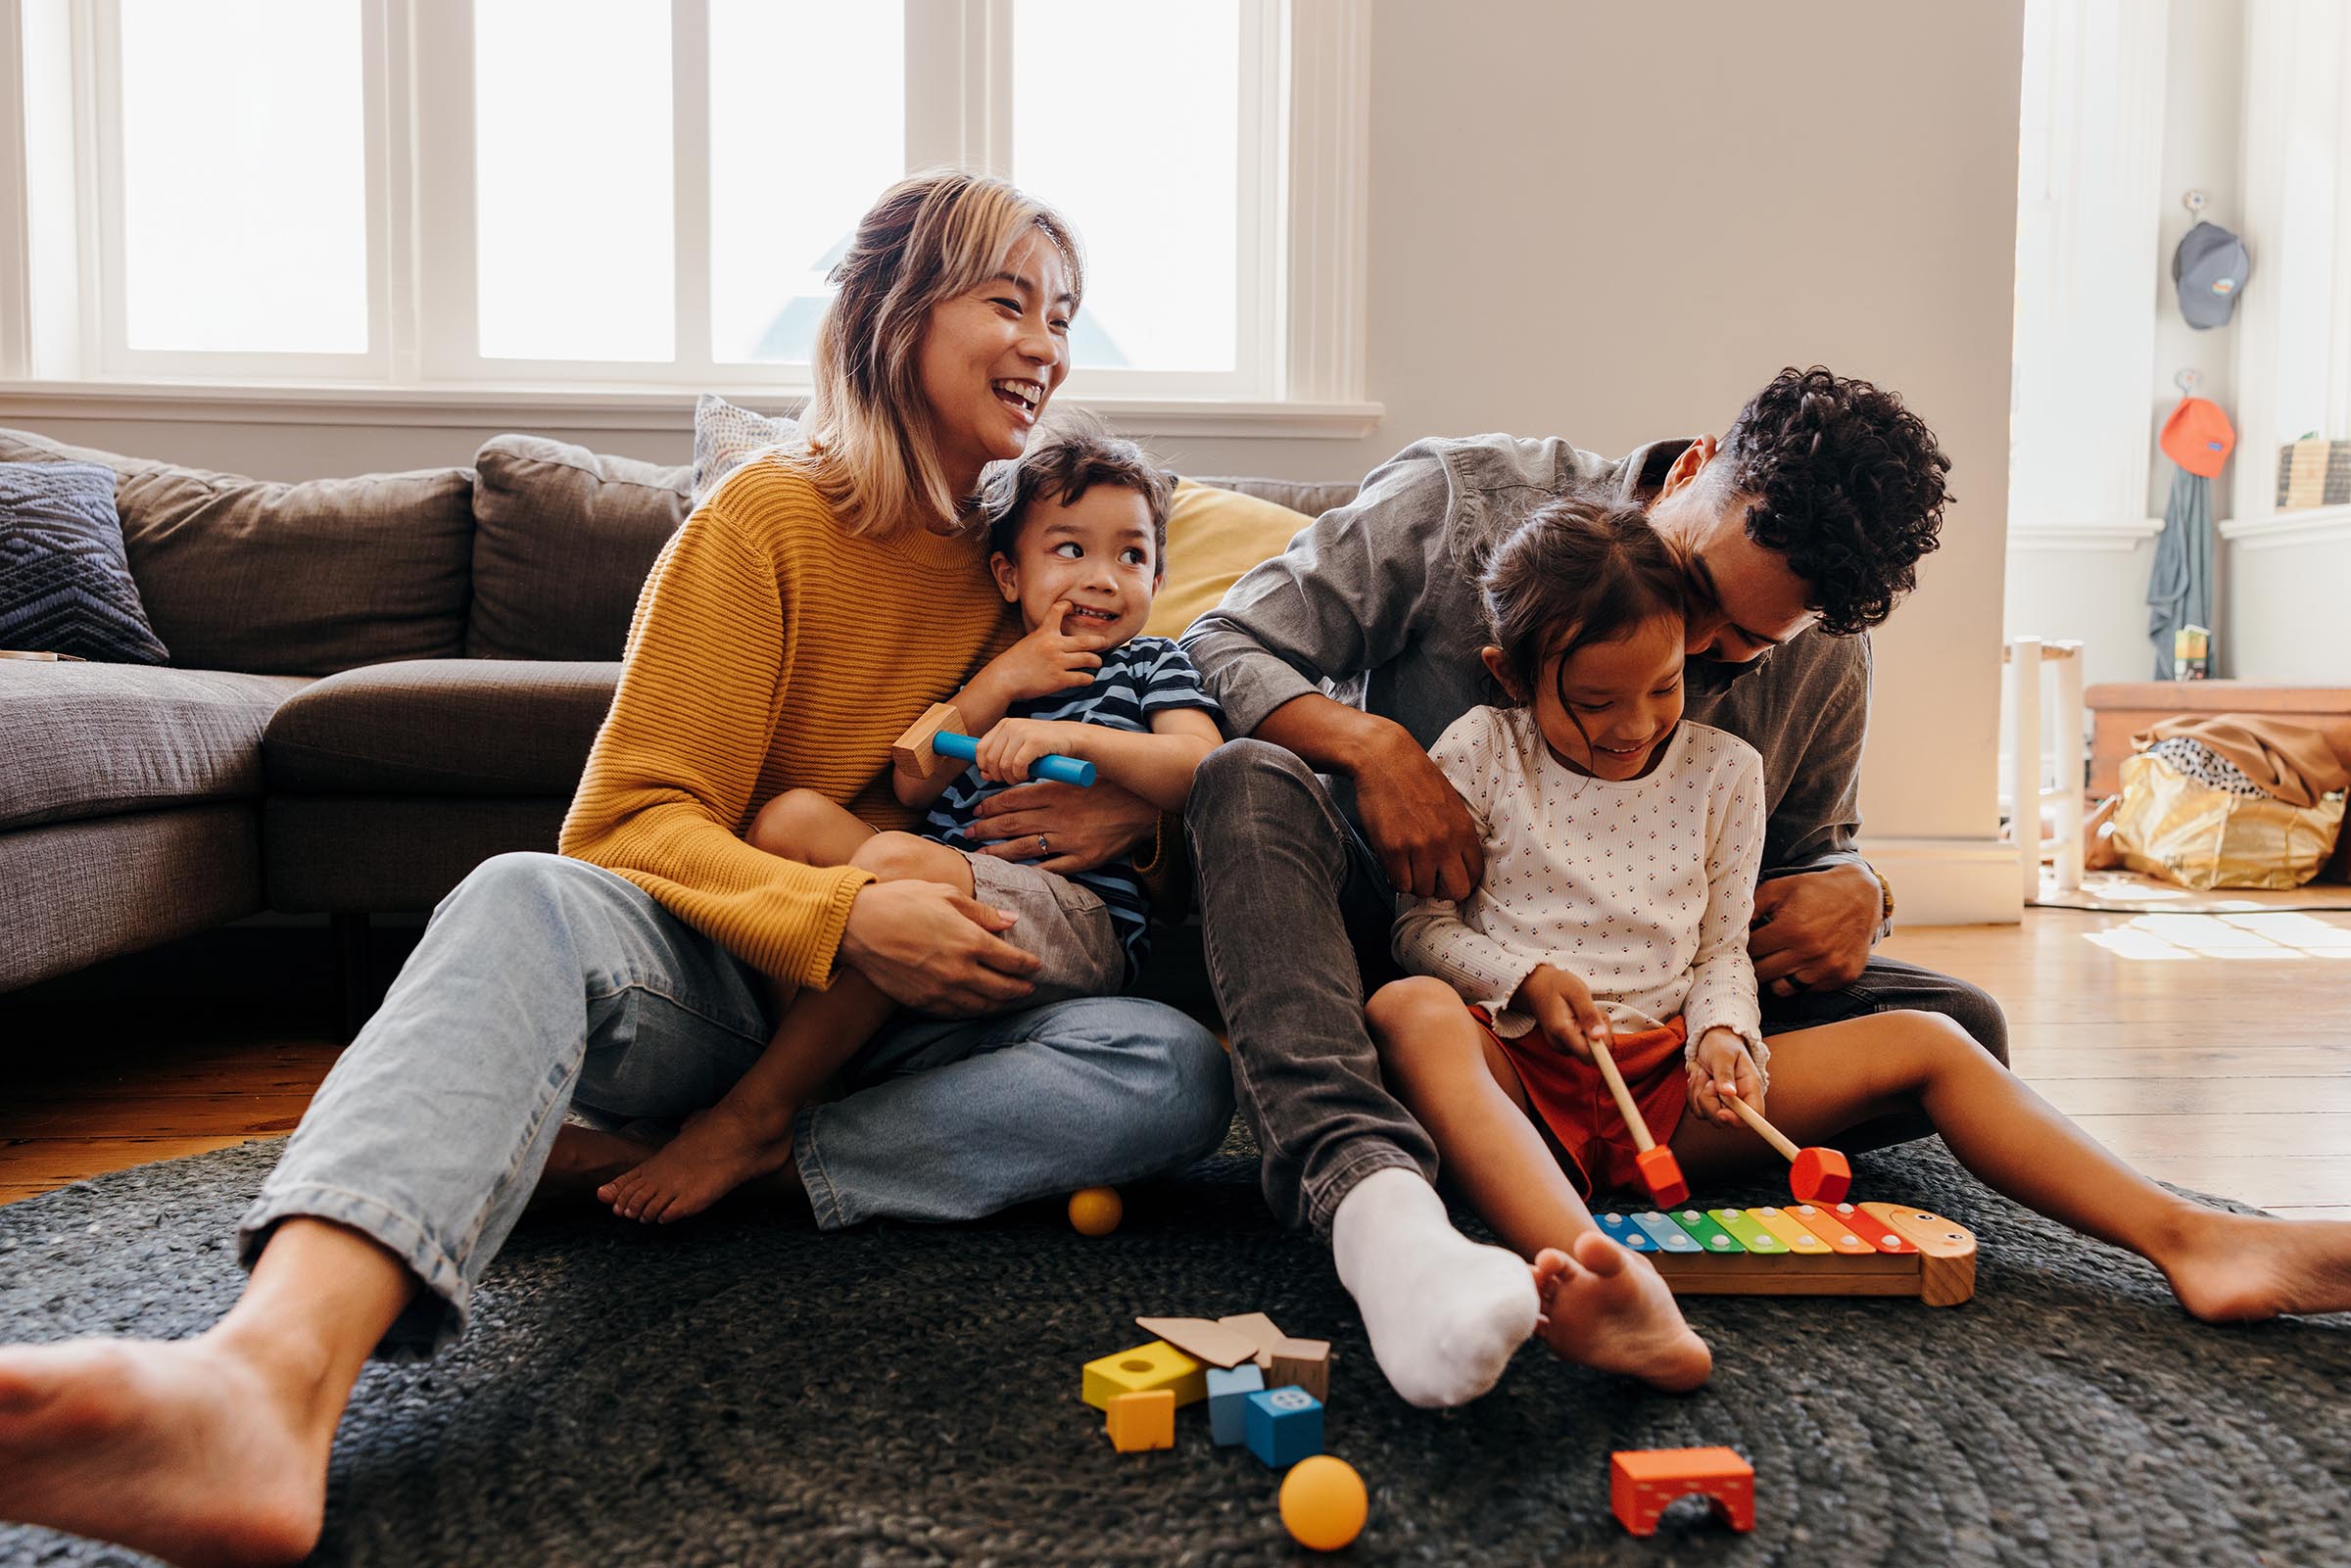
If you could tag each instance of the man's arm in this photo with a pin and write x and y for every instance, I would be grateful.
(1344, 599)
(1341, 600)
(1818, 905)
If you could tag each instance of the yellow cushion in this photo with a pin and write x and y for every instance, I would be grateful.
(1213, 536)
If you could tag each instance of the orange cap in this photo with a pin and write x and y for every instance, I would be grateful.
(2199, 437)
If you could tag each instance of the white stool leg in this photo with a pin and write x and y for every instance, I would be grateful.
(2068, 793)
(2023, 759)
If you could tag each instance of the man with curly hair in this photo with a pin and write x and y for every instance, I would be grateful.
(1350, 654)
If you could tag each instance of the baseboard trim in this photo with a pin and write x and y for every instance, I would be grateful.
(1950, 881)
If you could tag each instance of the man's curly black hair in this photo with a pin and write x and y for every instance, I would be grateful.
(1849, 488)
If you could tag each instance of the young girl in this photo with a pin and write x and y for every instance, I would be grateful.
(1622, 847)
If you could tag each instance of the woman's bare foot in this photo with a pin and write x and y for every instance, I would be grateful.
(584, 1160)
(190, 1451)
(1605, 1307)
(2237, 1269)
(716, 1152)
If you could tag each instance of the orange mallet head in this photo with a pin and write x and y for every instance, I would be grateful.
(1662, 1176)
(1819, 1176)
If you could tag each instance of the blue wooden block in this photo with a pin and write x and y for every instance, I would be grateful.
(1284, 1426)
(1228, 1392)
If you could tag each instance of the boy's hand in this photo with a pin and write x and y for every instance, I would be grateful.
(1561, 1005)
(1006, 753)
(1723, 1070)
(1048, 660)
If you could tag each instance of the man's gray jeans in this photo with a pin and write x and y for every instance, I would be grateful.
(541, 980)
(1295, 913)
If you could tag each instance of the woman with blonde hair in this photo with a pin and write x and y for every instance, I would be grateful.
(811, 609)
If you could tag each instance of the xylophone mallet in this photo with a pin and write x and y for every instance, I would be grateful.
(1660, 1171)
(938, 734)
(1814, 1176)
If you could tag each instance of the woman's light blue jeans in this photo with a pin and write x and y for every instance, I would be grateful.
(542, 981)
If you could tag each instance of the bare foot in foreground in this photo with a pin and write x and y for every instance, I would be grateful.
(188, 1450)
(583, 1161)
(1605, 1307)
(2237, 1269)
(716, 1152)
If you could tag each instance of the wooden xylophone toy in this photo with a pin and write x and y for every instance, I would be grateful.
(1805, 1250)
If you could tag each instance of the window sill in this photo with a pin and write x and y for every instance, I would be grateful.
(2121, 533)
(470, 407)
(2309, 525)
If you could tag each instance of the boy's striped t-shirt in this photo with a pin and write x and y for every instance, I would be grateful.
(1136, 679)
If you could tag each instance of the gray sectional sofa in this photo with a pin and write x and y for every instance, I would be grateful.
(376, 684)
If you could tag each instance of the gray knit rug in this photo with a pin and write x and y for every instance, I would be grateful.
(734, 1391)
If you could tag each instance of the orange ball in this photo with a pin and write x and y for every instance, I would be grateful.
(1324, 1503)
(1096, 1210)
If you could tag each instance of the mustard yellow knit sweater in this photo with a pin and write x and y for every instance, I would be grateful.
(773, 650)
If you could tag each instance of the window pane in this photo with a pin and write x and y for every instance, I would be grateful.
(244, 176)
(1126, 117)
(795, 159)
(574, 208)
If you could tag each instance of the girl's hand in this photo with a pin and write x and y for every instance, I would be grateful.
(1007, 752)
(1561, 1005)
(1723, 1070)
(1048, 660)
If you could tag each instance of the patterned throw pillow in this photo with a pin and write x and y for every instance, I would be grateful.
(726, 437)
(65, 581)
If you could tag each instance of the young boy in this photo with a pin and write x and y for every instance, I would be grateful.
(1077, 535)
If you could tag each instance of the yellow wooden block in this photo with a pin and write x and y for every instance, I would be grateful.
(1140, 1422)
(1156, 1365)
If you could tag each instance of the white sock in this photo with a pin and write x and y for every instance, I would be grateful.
(1445, 1315)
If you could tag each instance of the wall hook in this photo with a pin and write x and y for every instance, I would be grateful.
(2187, 381)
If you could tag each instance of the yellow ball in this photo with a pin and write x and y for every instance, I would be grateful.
(1096, 1210)
(1324, 1503)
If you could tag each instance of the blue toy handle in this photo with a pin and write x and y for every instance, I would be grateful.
(1060, 770)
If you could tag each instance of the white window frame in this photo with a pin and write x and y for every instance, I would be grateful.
(2293, 322)
(1304, 198)
(2089, 169)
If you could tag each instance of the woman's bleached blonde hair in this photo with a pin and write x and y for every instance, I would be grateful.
(868, 433)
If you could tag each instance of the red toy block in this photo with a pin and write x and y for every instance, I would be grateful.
(1643, 1482)
(1662, 1176)
(1819, 1176)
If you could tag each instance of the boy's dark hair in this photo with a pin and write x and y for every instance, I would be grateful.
(1849, 485)
(1063, 463)
(1595, 569)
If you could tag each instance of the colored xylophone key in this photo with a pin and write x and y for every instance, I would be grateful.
(1804, 1250)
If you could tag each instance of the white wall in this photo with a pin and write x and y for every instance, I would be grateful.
(2278, 597)
(1614, 222)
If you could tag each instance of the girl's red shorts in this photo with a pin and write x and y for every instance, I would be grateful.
(1572, 1099)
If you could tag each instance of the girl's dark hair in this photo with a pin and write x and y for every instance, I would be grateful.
(1574, 573)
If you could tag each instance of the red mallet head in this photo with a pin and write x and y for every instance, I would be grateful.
(1662, 1176)
(1819, 1176)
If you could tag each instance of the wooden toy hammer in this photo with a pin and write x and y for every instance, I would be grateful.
(940, 733)
(1814, 1176)
(1660, 1171)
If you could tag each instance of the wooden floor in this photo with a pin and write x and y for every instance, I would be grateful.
(2213, 1051)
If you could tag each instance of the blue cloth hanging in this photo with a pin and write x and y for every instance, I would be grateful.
(2179, 588)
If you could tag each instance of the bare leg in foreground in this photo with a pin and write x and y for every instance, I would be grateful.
(209, 1451)
(1602, 1307)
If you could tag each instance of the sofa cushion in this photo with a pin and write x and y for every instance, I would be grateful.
(74, 893)
(249, 574)
(563, 538)
(726, 437)
(1213, 536)
(1313, 497)
(442, 727)
(65, 583)
(95, 739)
